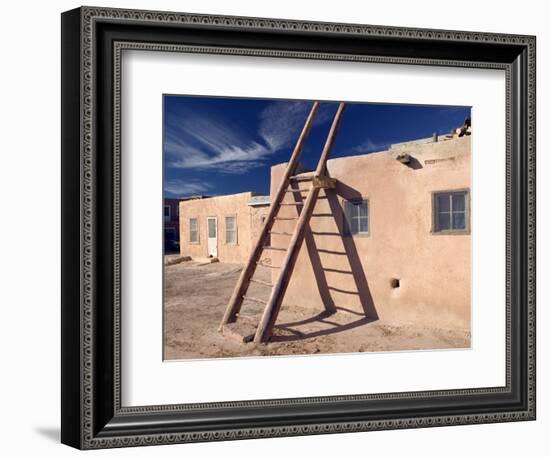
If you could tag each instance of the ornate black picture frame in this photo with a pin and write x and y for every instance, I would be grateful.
(92, 42)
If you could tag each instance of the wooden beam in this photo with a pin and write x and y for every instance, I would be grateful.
(324, 182)
(299, 178)
(321, 166)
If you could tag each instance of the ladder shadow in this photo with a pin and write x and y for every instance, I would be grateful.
(297, 335)
(361, 282)
(369, 313)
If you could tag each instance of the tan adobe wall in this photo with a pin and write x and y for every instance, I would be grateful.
(433, 269)
(258, 216)
(220, 207)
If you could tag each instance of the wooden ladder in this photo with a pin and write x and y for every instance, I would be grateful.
(319, 180)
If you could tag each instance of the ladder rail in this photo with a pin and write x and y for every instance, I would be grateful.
(243, 282)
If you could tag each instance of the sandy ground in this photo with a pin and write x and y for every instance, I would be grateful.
(196, 295)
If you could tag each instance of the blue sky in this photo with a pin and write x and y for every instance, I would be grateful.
(215, 146)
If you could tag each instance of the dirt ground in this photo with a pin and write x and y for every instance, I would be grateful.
(196, 295)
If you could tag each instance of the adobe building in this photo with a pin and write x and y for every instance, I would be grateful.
(392, 240)
(225, 227)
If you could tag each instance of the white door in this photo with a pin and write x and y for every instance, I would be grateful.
(212, 225)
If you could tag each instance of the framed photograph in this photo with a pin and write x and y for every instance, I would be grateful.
(274, 228)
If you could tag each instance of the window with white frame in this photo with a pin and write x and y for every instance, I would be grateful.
(231, 230)
(193, 230)
(451, 212)
(166, 212)
(356, 214)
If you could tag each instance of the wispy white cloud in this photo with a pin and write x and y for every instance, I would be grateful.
(369, 146)
(180, 187)
(201, 142)
(281, 123)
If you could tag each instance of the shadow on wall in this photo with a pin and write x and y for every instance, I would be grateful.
(315, 258)
(414, 163)
(356, 269)
(350, 249)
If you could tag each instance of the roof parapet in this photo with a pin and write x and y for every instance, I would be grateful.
(259, 200)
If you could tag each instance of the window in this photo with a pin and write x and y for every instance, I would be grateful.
(212, 227)
(231, 230)
(450, 212)
(166, 212)
(356, 214)
(193, 230)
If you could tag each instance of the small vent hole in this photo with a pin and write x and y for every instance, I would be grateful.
(394, 283)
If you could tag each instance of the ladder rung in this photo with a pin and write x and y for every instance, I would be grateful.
(297, 190)
(257, 300)
(263, 283)
(248, 317)
(271, 232)
(261, 264)
(302, 178)
(272, 248)
(292, 204)
(285, 218)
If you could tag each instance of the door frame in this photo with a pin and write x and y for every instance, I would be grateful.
(215, 218)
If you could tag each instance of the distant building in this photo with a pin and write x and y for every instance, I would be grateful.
(225, 227)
